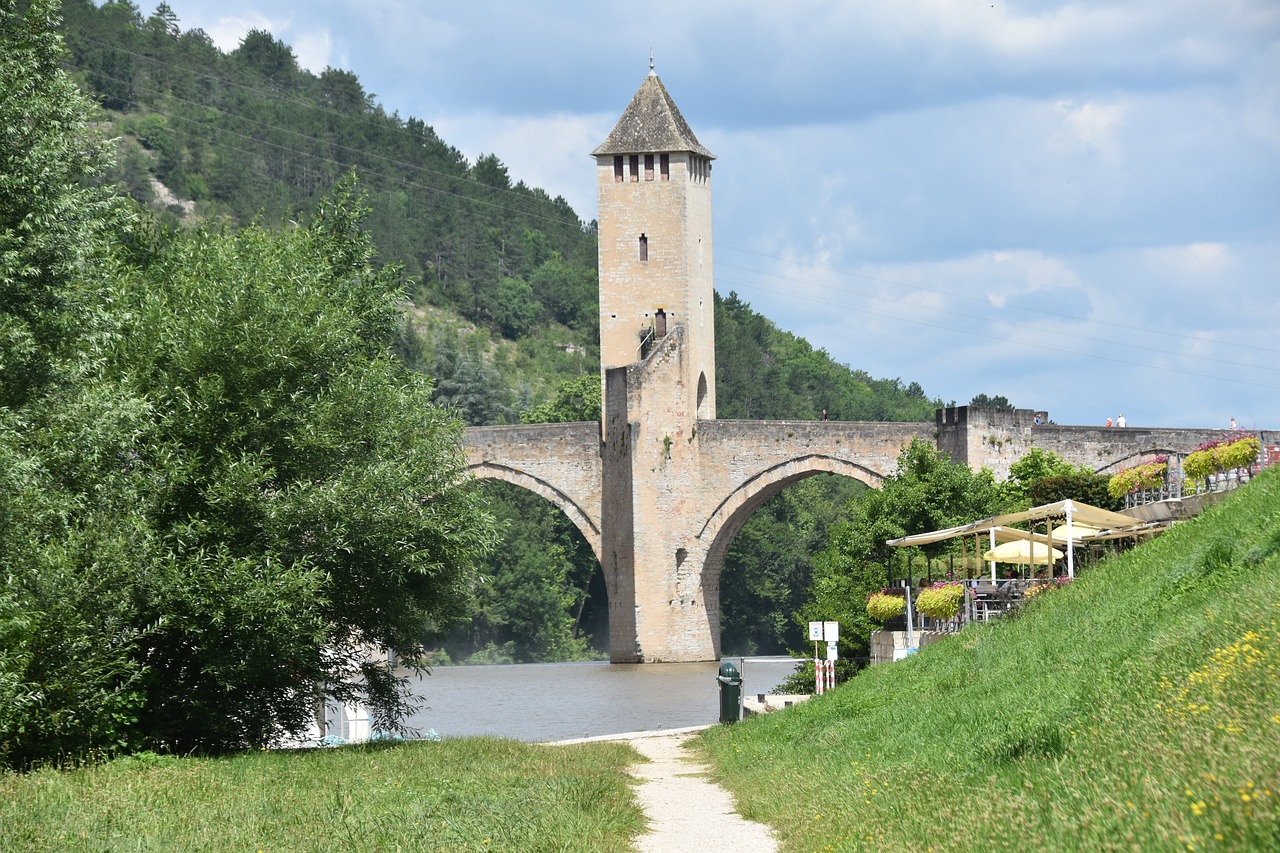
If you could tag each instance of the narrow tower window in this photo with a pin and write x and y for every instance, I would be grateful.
(617, 169)
(664, 166)
(635, 167)
(644, 248)
(648, 167)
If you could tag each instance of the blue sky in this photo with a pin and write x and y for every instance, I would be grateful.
(1075, 205)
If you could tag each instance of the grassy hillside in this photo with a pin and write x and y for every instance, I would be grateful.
(1136, 709)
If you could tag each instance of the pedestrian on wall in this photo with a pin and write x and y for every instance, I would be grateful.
(1108, 421)
(1120, 422)
(1233, 424)
(824, 417)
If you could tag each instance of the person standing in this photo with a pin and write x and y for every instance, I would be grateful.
(1120, 422)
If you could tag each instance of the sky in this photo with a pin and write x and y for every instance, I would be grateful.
(1074, 205)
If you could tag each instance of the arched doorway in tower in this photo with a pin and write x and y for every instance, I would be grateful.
(767, 569)
(543, 598)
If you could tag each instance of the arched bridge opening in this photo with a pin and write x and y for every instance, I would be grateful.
(576, 514)
(763, 538)
(544, 596)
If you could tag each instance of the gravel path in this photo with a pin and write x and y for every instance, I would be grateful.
(686, 811)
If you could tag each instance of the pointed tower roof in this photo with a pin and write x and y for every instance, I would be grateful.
(651, 123)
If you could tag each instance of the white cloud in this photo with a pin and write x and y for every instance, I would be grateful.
(312, 48)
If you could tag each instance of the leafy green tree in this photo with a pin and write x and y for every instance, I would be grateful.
(926, 492)
(68, 542)
(306, 500)
(575, 401)
(986, 402)
(1042, 477)
(768, 569)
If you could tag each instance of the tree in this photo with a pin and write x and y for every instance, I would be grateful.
(306, 502)
(985, 402)
(575, 401)
(926, 492)
(1041, 477)
(53, 220)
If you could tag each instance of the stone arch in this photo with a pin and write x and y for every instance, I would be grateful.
(580, 519)
(736, 508)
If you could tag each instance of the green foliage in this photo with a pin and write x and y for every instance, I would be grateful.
(1133, 708)
(250, 133)
(1218, 457)
(305, 501)
(987, 402)
(769, 567)
(543, 600)
(926, 492)
(1084, 486)
(941, 600)
(1148, 475)
(882, 607)
(576, 400)
(406, 796)
(52, 221)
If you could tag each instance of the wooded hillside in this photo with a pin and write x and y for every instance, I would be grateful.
(500, 282)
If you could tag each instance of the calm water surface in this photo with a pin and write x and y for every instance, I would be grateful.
(558, 701)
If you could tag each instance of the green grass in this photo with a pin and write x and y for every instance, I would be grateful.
(1135, 709)
(465, 794)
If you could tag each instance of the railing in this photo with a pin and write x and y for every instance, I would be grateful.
(1176, 488)
(983, 601)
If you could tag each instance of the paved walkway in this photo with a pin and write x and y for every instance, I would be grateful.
(686, 811)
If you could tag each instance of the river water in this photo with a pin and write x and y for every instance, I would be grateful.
(558, 701)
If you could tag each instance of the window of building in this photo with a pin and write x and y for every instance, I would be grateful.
(648, 167)
(644, 248)
(635, 167)
(664, 166)
(617, 169)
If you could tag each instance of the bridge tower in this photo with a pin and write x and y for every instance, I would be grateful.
(657, 353)
(654, 186)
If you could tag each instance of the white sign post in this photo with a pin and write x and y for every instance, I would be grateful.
(824, 671)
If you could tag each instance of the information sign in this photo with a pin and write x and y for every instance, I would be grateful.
(831, 631)
(815, 631)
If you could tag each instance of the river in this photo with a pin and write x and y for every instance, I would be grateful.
(559, 701)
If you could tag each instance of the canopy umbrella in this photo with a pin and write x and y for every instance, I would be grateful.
(1023, 552)
(1078, 531)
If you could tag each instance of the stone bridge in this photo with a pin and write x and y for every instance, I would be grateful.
(660, 487)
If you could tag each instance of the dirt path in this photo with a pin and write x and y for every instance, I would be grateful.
(686, 810)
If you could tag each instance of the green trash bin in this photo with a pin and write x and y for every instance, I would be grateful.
(730, 693)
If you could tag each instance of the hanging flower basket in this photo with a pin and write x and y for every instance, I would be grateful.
(1215, 457)
(1139, 478)
(882, 608)
(940, 601)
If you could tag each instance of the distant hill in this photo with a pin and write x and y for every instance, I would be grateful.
(503, 276)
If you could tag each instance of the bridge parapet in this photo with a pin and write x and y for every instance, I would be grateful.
(996, 438)
(560, 462)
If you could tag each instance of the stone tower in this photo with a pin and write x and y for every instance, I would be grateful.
(654, 185)
(657, 353)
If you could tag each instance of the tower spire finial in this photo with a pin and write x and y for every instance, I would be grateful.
(652, 73)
